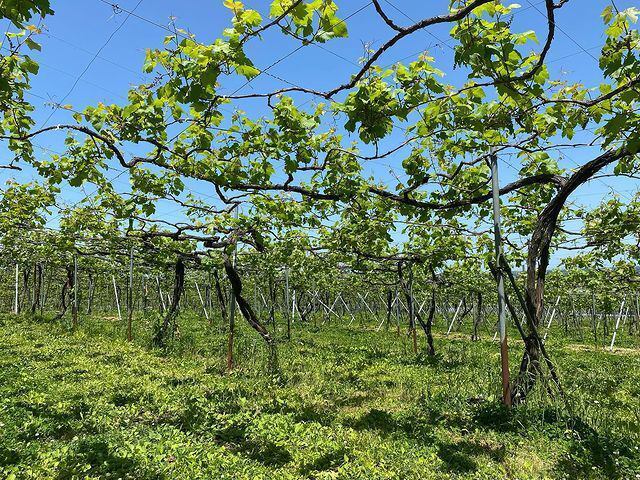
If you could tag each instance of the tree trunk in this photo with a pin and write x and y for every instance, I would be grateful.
(537, 263)
(67, 287)
(169, 324)
(389, 307)
(426, 327)
(248, 313)
(25, 289)
(37, 287)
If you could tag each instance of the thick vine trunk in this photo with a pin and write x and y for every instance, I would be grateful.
(303, 311)
(169, 324)
(248, 313)
(389, 307)
(67, 287)
(37, 287)
(25, 288)
(478, 317)
(537, 263)
(427, 326)
(414, 315)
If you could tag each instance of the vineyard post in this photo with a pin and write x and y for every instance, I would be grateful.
(593, 319)
(115, 290)
(615, 331)
(504, 352)
(293, 307)
(74, 309)
(16, 305)
(130, 296)
(287, 302)
(553, 313)
(202, 302)
(455, 315)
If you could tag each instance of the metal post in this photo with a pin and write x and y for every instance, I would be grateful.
(287, 302)
(16, 305)
(502, 326)
(75, 291)
(615, 331)
(204, 307)
(553, 313)
(130, 297)
(293, 307)
(115, 290)
(455, 315)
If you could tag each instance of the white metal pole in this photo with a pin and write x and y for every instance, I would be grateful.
(615, 331)
(502, 324)
(115, 289)
(204, 308)
(16, 305)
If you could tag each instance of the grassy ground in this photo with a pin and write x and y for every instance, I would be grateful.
(350, 403)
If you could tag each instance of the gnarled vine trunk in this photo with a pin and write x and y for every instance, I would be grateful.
(248, 313)
(537, 263)
(67, 288)
(37, 287)
(169, 323)
(477, 319)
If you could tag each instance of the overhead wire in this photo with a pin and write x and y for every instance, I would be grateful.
(344, 58)
(583, 50)
(88, 66)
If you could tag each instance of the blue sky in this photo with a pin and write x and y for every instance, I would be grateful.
(80, 29)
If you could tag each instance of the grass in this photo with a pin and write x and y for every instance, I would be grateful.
(350, 403)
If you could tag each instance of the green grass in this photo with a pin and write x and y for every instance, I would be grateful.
(350, 403)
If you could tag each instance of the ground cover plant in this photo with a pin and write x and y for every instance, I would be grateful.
(349, 402)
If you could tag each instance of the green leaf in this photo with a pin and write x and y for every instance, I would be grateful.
(248, 71)
(30, 66)
(251, 17)
(32, 44)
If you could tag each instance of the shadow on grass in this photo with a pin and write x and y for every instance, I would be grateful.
(103, 460)
(376, 419)
(590, 451)
(9, 456)
(461, 457)
(328, 461)
(55, 423)
(266, 452)
(415, 428)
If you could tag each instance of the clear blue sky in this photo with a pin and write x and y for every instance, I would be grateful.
(80, 28)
